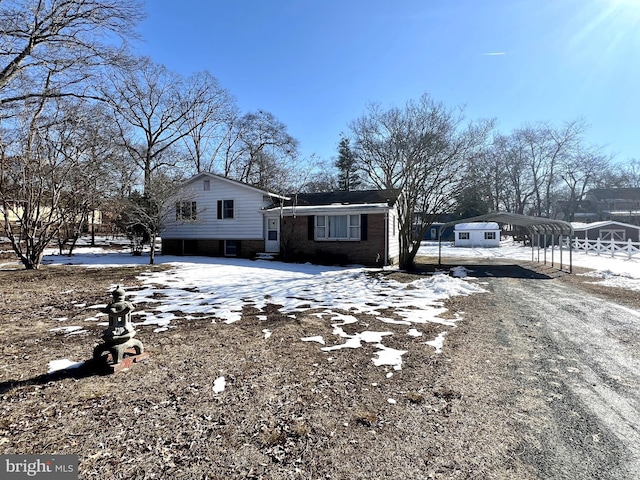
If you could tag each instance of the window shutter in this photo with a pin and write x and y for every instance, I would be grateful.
(219, 209)
(364, 223)
(311, 225)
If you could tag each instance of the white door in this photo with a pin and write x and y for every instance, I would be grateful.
(272, 238)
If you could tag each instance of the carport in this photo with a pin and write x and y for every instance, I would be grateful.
(539, 228)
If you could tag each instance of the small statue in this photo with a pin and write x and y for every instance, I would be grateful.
(119, 311)
(118, 337)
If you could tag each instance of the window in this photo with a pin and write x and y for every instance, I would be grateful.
(337, 227)
(230, 248)
(225, 209)
(463, 235)
(272, 229)
(186, 211)
(207, 184)
(489, 235)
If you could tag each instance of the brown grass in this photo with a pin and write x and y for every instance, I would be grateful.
(289, 409)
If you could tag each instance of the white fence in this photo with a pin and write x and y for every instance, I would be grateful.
(611, 248)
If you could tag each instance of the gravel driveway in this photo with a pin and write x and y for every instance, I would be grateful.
(573, 362)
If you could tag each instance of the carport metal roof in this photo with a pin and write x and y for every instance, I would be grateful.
(535, 225)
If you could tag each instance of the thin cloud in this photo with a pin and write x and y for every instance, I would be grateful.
(494, 54)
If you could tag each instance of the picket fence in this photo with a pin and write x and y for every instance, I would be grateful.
(611, 248)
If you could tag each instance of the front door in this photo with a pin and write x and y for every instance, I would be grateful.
(272, 238)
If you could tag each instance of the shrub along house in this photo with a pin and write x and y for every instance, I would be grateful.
(345, 227)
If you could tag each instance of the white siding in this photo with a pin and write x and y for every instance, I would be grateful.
(246, 224)
(393, 245)
(476, 232)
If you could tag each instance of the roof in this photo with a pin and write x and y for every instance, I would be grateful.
(355, 197)
(535, 224)
(477, 226)
(615, 193)
(589, 226)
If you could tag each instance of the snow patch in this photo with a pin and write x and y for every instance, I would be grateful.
(219, 384)
(62, 364)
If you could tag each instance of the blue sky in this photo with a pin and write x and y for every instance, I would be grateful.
(316, 64)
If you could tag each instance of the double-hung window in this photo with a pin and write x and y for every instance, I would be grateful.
(463, 236)
(489, 235)
(225, 209)
(337, 227)
(186, 211)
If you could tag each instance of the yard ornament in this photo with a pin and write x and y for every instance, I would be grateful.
(119, 350)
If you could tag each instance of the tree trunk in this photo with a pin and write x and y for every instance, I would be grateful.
(93, 227)
(152, 254)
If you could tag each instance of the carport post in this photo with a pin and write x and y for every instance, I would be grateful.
(570, 255)
(560, 244)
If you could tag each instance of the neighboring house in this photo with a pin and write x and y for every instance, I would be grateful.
(432, 232)
(218, 216)
(607, 231)
(616, 204)
(14, 211)
(477, 234)
(346, 227)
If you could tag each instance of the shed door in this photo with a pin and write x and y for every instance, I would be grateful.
(615, 235)
(272, 237)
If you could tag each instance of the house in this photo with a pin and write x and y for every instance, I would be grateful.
(601, 204)
(433, 232)
(218, 216)
(607, 231)
(477, 234)
(13, 213)
(345, 227)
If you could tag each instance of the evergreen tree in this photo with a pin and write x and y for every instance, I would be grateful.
(348, 178)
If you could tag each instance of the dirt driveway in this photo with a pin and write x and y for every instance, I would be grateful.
(572, 358)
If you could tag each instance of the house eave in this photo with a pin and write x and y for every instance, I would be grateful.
(335, 209)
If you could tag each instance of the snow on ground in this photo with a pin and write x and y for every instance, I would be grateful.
(619, 271)
(218, 288)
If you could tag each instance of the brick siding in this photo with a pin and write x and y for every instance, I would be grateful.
(296, 245)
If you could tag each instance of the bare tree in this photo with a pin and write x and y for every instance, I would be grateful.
(152, 108)
(45, 164)
(625, 174)
(579, 172)
(145, 216)
(209, 121)
(260, 150)
(423, 150)
(53, 48)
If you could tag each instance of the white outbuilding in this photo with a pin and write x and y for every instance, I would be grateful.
(477, 234)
